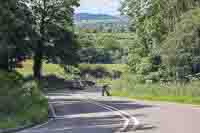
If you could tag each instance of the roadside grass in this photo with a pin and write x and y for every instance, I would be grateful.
(177, 99)
(127, 87)
(7, 123)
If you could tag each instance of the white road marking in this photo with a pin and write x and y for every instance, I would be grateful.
(136, 123)
(110, 108)
(117, 112)
(52, 110)
(41, 125)
(35, 127)
(122, 114)
(62, 129)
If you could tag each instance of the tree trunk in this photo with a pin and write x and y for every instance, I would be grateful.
(38, 57)
(37, 66)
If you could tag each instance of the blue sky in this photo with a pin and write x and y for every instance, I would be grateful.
(99, 6)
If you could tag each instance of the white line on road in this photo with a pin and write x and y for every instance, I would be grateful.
(112, 109)
(126, 116)
(52, 110)
(123, 114)
(115, 111)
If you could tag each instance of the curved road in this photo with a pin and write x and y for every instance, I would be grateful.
(88, 112)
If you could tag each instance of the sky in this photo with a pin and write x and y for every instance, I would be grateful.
(99, 7)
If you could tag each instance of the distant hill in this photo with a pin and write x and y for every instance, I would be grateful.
(101, 22)
(87, 17)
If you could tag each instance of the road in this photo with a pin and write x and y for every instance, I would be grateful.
(88, 112)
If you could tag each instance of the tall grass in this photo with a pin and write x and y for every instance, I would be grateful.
(129, 87)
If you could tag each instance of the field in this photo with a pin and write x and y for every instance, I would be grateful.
(53, 69)
(48, 69)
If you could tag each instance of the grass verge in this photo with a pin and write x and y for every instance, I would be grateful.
(187, 94)
(179, 99)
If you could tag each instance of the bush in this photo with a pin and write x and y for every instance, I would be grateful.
(10, 92)
(21, 102)
(153, 76)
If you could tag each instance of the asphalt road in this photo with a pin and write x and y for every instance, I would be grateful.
(88, 112)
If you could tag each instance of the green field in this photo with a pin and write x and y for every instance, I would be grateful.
(48, 69)
(53, 69)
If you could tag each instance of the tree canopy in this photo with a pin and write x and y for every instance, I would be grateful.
(167, 30)
(41, 28)
(15, 27)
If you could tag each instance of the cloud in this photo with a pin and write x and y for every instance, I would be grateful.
(99, 6)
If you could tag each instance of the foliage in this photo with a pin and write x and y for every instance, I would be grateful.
(167, 32)
(104, 47)
(43, 28)
(181, 47)
(86, 40)
(53, 32)
(15, 26)
(102, 73)
(107, 43)
(21, 102)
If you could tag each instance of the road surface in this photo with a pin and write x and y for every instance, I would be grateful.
(88, 112)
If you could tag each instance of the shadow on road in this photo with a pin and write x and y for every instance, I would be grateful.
(77, 111)
(76, 103)
(74, 115)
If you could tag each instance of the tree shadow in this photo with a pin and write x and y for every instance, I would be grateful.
(77, 111)
(53, 82)
(61, 106)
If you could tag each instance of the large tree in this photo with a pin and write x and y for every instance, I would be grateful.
(165, 27)
(53, 31)
(15, 27)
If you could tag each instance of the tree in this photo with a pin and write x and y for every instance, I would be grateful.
(53, 32)
(181, 49)
(109, 43)
(15, 27)
(164, 30)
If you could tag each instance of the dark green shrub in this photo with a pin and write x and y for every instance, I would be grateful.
(153, 76)
(21, 100)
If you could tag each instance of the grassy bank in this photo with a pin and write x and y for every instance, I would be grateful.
(128, 87)
(21, 103)
(178, 99)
